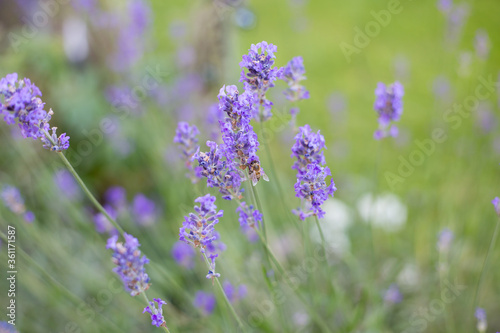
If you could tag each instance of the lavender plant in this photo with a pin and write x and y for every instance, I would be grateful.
(389, 106)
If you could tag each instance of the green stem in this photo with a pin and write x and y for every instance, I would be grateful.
(323, 242)
(96, 203)
(281, 270)
(258, 205)
(233, 312)
(84, 187)
(486, 262)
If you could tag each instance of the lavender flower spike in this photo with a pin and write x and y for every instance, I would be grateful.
(311, 185)
(198, 228)
(129, 264)
(261, 75)
(14, 201)
(389, 106)
(219, 174)
(156, 313)
(496, 204)
(293, 73)
(19, 100)
(186, 137)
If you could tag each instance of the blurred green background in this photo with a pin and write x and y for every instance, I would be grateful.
(194, 47)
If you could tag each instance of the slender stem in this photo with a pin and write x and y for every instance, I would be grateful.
(256, 199)
(84, 187)
(96, 203)
(323, 242)
(233, 312)
(486, 262)
(281, 270)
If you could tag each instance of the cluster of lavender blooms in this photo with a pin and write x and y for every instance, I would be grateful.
(129, 264)
(389, 106)
(156, 313)
(311, 185)
(14, 201)
(240, 141)
(198, 229)
(261, 76)
(482, 324)
(186, 138)
(19, 100)
(293, 73)
(142, 209)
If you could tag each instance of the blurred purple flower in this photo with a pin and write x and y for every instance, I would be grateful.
(67, 185)
(232, 294)
(496, 204)
(14, 201)
(5, 327)
(186, 138)
(442, 89)
(102, 224)
(482, 324)
(393, 295)
(205, 302)
(482, 44)
(389, 106)
(116, 197)
(444, 240)
(144, 210)
(485, 117)
(183, 254)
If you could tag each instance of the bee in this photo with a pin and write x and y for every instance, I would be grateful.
(256, 172)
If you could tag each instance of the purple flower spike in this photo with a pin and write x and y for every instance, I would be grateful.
(261, 74)
(14, 201)
(20, 101)
(311, 185)
(308, 149)
(116, 196)
(186, 138)
(144, 210)
(129, 263)
(197, 229)
(205, 302)
(156, 313)
(293, 73)
(248, 215)
(240, 140)
(102, 223)
(389, 106)
(219, 173)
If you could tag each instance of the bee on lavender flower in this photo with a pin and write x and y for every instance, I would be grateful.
(256, 172)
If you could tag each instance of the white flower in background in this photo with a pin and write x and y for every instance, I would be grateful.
(408, 277)
(338, 218)
(75, 41)
(385, 211)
